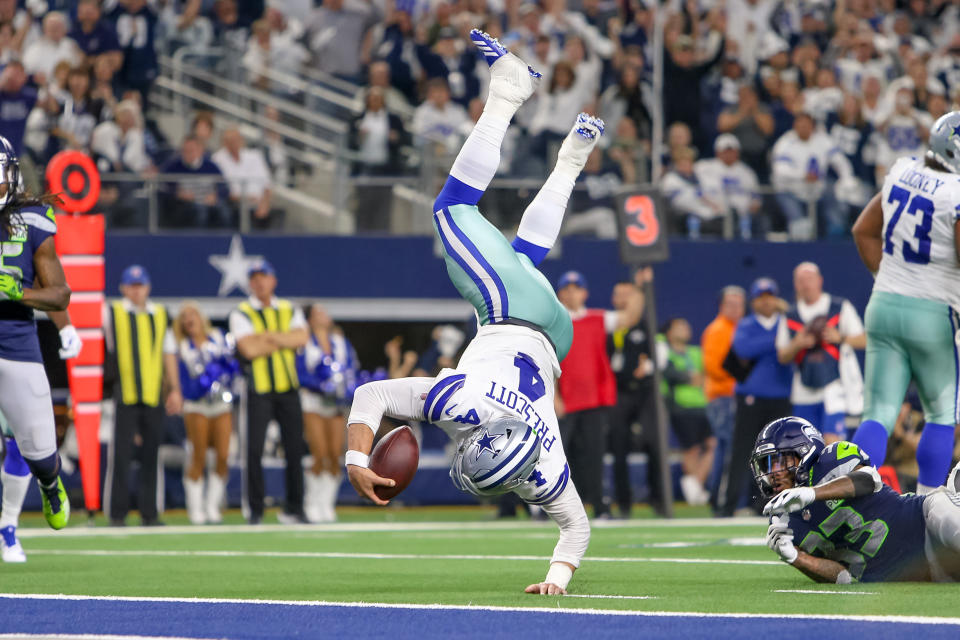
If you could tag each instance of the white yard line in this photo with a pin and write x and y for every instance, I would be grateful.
(378, 527)
(828, 593)
(87, 636)
(439, 607)
(372, 556)
(605, 597)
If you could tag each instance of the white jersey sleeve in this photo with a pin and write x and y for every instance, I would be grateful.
(920, 211)
(401, 399)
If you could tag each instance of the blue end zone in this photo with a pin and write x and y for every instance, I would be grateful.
(255, 621)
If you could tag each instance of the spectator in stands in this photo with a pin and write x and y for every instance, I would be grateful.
(102, 87)
(202, 128)
(763, 396)
(118, 145)
(825, 98)
(593, 209)
(140, 402)
(41, 56)
(628, 98)
(752, 125)
(874, 107)
(327, 369)
(588, 387)
(854, 137)
(248, 177)
(632, 362)
(562, 101)
(267, 51)
(338, 37)
(207, 369)
(450, 60)
(268, 330)
(682, 366)
(16, 102)
(819, 333)
(231, 32)
(630, 152)
(136, 24)
(732, 183)
(903, 133)
(379, 78)
(679, 137)
(716, 341)
(200, 200)
(683, 73)
(397, 47)
(438, 120)
(692, 210)
(95, 37)
(79, 114)
(801, 158)
(9, 48)
(377, 136)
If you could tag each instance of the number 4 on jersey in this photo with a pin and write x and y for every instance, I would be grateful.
(531, 382)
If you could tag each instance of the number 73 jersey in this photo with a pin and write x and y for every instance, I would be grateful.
(879, 537)
(920, 208)
(507, 371)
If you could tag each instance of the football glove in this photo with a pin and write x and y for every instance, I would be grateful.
(790, 500)
(10, 287)
(70, 343)
(780, 539)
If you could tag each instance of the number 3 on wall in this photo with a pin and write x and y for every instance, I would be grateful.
(643, 228)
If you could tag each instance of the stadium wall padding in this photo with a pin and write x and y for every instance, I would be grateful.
(411, 267)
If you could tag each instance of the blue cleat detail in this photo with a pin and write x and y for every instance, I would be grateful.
(9, 535)
(586, 131)
(489, 46)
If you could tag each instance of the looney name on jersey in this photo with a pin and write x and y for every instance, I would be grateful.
(927, 184)
(517, 402)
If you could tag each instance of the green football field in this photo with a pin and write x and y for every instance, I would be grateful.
(449, 557)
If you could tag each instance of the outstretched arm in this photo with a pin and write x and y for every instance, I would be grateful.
(862, 481)
(402, 399)
(567, 511)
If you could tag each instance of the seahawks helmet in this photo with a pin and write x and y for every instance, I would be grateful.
(945, 141)
(9, 171)
(497, 457)
(786, 436)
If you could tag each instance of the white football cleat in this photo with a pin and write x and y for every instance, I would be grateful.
(511, 79)
(11, 552)
(581, 140)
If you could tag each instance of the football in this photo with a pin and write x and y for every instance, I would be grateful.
(816, 327)
(396, 456)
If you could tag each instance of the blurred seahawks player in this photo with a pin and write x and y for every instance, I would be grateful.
(835, 521)
(909, 237)
(31, 277)
(14, 473)
(497, 405)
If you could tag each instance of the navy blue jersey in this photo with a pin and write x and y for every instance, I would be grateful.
(101, 39)
(135, 33)
(879, 537)
(14, 109)
(18, 329)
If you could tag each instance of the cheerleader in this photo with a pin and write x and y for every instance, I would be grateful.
(207, 369)
(326, 367)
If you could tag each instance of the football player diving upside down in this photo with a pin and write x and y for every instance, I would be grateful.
(497, 405)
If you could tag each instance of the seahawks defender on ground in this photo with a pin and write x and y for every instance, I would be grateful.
(14, 473)
(835, 521)
(497, 405)
(31, 277)
(909, 237)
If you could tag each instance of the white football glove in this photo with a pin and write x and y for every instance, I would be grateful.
(70, 343)
(790, 500)
(780, 539)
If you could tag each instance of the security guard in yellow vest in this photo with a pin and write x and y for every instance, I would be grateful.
(143, 352)
(268, 331)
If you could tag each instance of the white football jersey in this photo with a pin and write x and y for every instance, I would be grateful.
(507, 371)
(920, 208)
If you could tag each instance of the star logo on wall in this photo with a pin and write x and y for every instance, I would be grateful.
(485, 443)
(233, 267)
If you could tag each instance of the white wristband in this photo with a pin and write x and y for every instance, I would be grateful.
(559, 574)
(357, 459)
(844, 577)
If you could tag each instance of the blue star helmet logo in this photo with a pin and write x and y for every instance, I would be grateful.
(485, 443)
(956, 131)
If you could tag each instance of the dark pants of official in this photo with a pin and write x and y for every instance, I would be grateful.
(633, 406)
(285, 409)
(148, 422)
(584, 435)
(752, 415)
